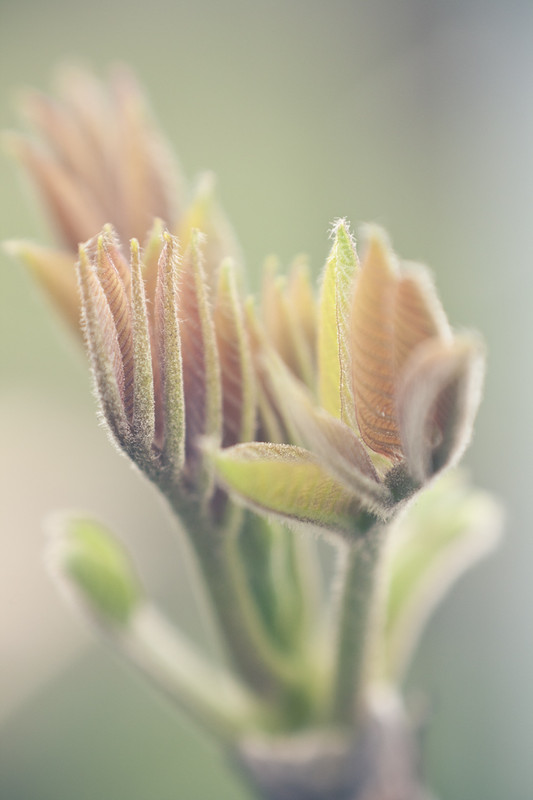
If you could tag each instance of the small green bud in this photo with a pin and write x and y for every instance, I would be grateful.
(96, 568)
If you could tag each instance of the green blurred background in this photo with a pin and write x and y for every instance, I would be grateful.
(415, 113)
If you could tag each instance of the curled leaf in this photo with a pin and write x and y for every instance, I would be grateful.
(437, 401)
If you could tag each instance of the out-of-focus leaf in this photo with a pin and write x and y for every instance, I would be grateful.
(204, 214)
(144, 168)
(303, 304)
(95, 568)
(55, 272)
(447, 529)
(282, 325)
(73, 211)
(273, 574)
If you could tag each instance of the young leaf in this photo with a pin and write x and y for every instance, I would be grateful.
(102, 342)
(302, 301)
(204, 214)
(437, 401)
(114, 276)
(201, 368)
(143, 398)
(282, 324)
(288, 482)
(144, 167)
(73, 211)
(334, 358)
(55, 272)
(448, 529)
(170, 359)
(372, 348)
(96, 568)
(418, 314)
(236, 370)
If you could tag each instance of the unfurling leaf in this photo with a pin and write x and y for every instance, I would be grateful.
(372, 348)
(288, 482)
(169, 348)
(418, 314)
(335, 389)
(201, 368)
(331, 440)
(95, 568)
(143, 396)
(437, 401)
(283, 326)
(236, 370)
(114, 276)
(104, 349)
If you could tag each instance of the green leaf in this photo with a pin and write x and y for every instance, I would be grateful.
(288, 482)
(274, 574)
(96, 568)
(447, 529)
(336, 445)
(334, 361)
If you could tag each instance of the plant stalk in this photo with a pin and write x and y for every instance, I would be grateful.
(357, 609)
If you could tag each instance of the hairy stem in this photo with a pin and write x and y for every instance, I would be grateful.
(357, 607)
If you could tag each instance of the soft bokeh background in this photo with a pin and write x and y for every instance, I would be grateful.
(414, 113)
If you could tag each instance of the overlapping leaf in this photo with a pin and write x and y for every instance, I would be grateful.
(288, 482)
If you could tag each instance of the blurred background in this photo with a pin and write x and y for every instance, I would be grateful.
(417, 114)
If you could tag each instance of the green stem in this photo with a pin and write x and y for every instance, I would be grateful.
(266, 670)
(210, 694)
(356, 609)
